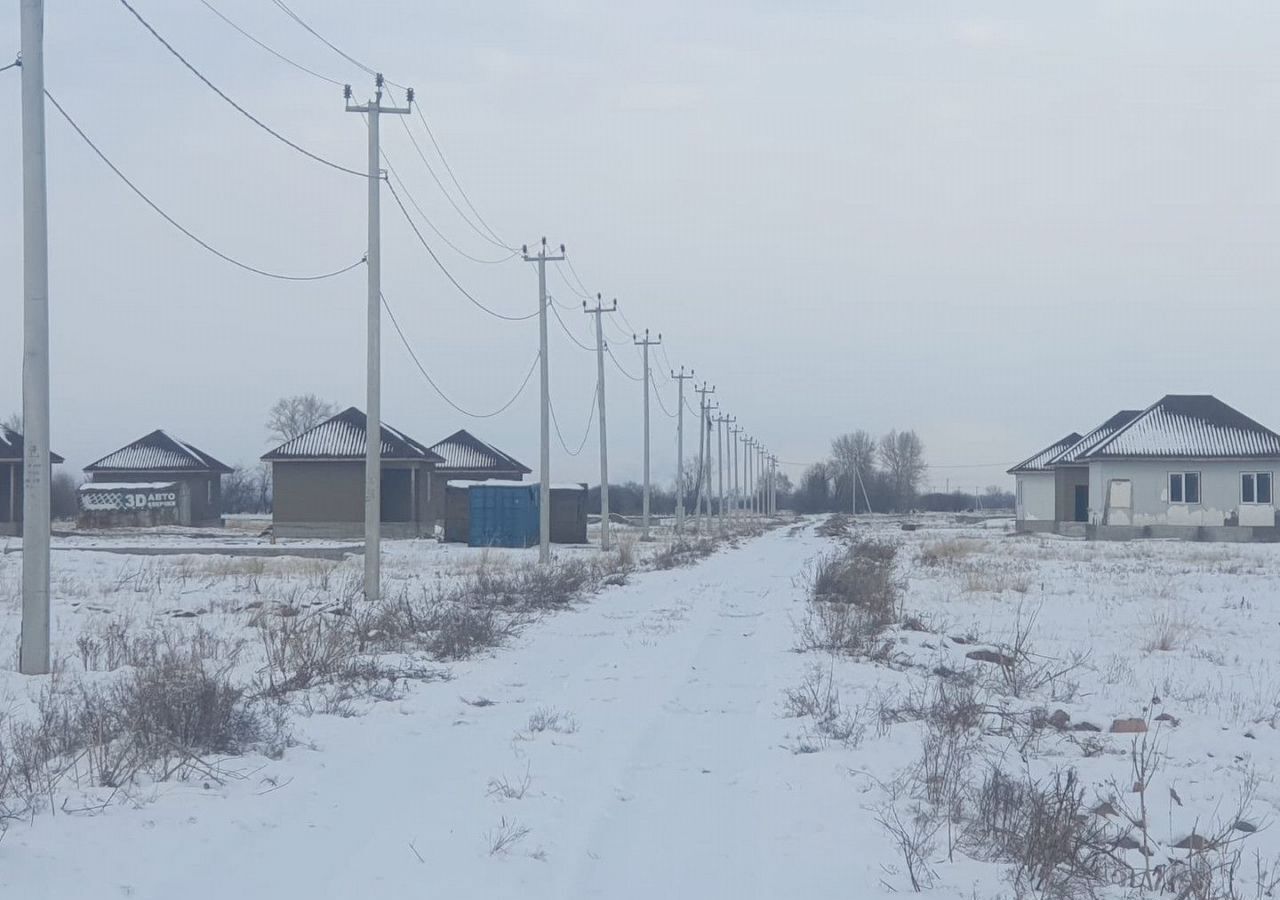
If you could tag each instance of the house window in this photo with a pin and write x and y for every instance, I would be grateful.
(1184, 487)
(1255, 487)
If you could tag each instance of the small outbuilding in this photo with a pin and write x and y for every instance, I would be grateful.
(157, 479)
(11, 447)
(466, 458)
(568, 513)
(506, 514)
(318, 481)
(502, 515)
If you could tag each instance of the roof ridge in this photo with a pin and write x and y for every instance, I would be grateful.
(1124, 428)
(1187, 426)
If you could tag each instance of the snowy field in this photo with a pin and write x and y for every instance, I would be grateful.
(664, 735)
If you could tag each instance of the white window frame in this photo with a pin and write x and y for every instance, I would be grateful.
(1183, 476)
(1271, 484)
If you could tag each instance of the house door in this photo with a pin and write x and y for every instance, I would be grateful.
(1082, 503)
(1119, 502)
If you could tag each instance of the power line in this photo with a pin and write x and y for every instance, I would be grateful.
(244, 112)
(274, 52)
(414, 203)
(567, 332)
(435, 387)
(436, 178)
(569, 284)
(322, 39)
(174, 222)
(492, 236)
(447, 273)
(13, 65)
(448, 168)
(574, 271)
(595, 398)
(609, 350)
(658, 394)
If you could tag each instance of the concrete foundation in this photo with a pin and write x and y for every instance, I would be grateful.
(1232, 534)
(349, 531)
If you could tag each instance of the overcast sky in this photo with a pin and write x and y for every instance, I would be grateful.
(992, 222)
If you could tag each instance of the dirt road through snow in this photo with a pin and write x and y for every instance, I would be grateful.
(663, 772)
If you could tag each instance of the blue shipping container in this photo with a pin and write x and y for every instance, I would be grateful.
(503, 515)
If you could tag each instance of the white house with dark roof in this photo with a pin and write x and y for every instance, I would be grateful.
(1188, 466)
(1034, 493)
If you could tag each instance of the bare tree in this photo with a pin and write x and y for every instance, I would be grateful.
(902, 455)
(852, 454)
(13, 423)
(291, 416)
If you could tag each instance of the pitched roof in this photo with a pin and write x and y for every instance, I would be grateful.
(1040, 461)
(463, 451)
(11, 446)
(1073, 453)
(158, 452)
(1189, 426)
(343, 437)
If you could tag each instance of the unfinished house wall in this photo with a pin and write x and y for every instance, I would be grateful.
(1136, 494)
(1035, 501)
(1066, 480)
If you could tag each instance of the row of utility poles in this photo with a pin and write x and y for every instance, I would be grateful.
(34, 658)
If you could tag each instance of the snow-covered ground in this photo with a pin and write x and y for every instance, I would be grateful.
(639, 744)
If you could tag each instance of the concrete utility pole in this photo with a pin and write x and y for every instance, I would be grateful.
(773, 485)
(598, 312)
(734, 431)
(703, 408)
(33, 654)
(712, 407)
(544, 489)
(760, 480)
(751, 475)
(680, 378)
(646, 344)
(721, 421)
(373, 110)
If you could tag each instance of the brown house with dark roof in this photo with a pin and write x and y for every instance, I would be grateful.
(318, 481)
(467, 458)
(11, 480)
(153, 460)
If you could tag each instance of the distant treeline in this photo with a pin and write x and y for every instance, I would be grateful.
(886, 474)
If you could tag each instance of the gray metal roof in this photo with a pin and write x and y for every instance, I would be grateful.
(11, 447)
(1040, 461)
(463, 451)
(158, 452)
(343, 438)
(1073, 453)
(1189, 426)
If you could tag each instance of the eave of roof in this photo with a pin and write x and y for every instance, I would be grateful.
(1038, 462)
